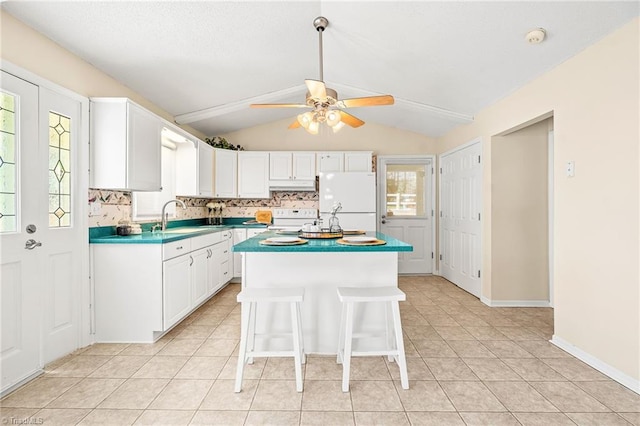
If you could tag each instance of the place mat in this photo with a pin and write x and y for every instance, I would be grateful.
(278, 243)
(369, 243)
(353, 232)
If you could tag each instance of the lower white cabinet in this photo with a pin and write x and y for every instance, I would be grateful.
(142, 290)
(176, 290)
(239, 235)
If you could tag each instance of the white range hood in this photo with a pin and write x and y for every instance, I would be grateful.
(292, 185)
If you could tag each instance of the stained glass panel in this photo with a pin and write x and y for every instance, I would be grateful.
(8, 197)
(59, 171)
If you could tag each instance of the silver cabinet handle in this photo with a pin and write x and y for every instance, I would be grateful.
(31, 244)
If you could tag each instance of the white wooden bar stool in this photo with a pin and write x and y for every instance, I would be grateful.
(253, 296)
(390, 296)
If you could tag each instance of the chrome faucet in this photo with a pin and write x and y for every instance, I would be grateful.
(165, 216)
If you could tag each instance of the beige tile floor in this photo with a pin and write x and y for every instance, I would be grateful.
(468, 365)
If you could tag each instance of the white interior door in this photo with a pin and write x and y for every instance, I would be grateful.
(460, 217)
(19, 207)
(63, 233)
(406, 208)
(43, 233)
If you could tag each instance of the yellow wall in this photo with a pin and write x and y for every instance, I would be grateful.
(595, 101)
(382, 140)
(28, 49)
(519, 214)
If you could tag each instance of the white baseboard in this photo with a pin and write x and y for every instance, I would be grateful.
(603, 367)
(515, 303)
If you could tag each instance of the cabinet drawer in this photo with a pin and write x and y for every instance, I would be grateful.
(176, 248)
(225, 235)
(225, 272)
(205, 240)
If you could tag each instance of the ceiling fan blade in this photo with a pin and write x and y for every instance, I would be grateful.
(279, 106)
(366, 101)
(350, 119)
(294, 125)
(317, 89)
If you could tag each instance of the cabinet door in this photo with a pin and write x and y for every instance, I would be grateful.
(330, 162)
(253, 174)
(239, 235)
(226, 259)
(226, 176)
(280, 166)
(143, 149)
(304, 165)
(176, 289)
(214, 281)
(200, 276)
(357, 162)
(205, 170)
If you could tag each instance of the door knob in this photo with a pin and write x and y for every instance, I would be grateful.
(31, 244)
(384, 221)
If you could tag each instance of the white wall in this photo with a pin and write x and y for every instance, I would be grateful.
(595, 101)
(382, 140)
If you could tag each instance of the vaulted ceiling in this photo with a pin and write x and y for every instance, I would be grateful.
(206, 61)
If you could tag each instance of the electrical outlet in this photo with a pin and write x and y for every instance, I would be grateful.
(94, 208)
(570, 168)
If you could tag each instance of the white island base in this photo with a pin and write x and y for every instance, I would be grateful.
(320, 274)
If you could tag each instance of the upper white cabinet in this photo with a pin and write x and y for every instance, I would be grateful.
(330, 162)
(350, 161)
(226, 173)
(125, 146)
(358, 161)
(253, 174)
(194, 169)
(292, 165)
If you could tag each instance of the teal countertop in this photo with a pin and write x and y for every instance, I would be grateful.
(321, 245)
(176, 230)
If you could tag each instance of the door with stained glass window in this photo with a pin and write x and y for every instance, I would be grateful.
(406, 208)
(41, 238)
(19, 275)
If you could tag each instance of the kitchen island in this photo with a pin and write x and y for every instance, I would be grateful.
(320, 266)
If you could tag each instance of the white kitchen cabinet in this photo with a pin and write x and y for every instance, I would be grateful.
(142, 290)
(176, 289)
(239, 235)
(330, 162)
(194, 169)
(226, 173)
(292, 165)
(358, 161)
(125, 146)
(253, 174)
(226, 257)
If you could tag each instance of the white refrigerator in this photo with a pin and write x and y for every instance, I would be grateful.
(356, 191)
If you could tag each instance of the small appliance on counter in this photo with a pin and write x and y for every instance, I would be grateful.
(123, 228)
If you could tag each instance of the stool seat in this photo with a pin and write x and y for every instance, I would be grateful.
(373, 294)
(271, 295)
(252, 297)
(389, 295)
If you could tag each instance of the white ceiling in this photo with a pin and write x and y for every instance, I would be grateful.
(442, 61)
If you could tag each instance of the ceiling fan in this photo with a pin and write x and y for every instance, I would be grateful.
(323, 101)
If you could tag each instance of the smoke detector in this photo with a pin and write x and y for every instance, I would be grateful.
(536, 36)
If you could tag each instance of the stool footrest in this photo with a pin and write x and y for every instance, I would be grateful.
(263, 354)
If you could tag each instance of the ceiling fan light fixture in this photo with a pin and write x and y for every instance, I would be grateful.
(333, 117)
(305, 119)
(313, 127)
(336, 128)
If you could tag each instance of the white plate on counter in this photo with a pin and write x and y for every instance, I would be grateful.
(359, 239)
(282, 240)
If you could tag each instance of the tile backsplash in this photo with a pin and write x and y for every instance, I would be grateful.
(116, 205)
